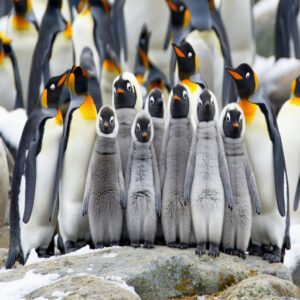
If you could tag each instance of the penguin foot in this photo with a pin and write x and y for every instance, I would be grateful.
(70, 247)
(148, 245)
(60, 245)
(80, 244)
(160, 241)
(135, 244)
(256, 250)
(213, 250)
(240, 253)
(114, 244)
(274, 256)
(230, 251)
(43, 253)
(183, 246)
(201, 249)
(99, 246)
(172, 245)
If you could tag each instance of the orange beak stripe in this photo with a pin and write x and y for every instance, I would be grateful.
(62, 80)
(179, 53)
(172, 6)
(235, 75)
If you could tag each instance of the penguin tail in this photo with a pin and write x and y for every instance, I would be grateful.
(15, 253)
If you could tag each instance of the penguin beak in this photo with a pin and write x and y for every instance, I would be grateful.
(172, 6)
(178, 51)
(233, 73)
(120, 91)
(206, 107)
(105, 125)
(145, 135)
(236, 125)
(176, 98)
(160, 102)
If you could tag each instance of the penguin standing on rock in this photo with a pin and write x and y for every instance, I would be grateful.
(104, 194)
(238, 221)
(33, 179)
(72, 167)
(262, 137)
(207, 181)
(176, 217)
(142, 184)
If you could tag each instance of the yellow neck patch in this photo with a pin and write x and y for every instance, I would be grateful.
(2, 57)
(59, 118)
(193, 87)
(20, 23)
(295, 101)
(68, 31)
(140, 78)
(186, 19)
(249, 110)
(88, 109)
(110, 67)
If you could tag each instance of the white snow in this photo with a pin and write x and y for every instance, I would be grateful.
(293, 256)
(60, 295)
(89, 269)
(118, 281)
(33, 258)
(18, 289)
(110, 255)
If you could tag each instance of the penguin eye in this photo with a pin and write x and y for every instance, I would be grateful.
(138, 127)
(129, 88)
(184, 94)
(247, 75)
(241, 119)
(149, 125)
(200, 102)
(228, 117)
(212, 100)
(101, 120)
(52, 87)
(111, 120)
(181, 8)
(151, 100)
(190, 54)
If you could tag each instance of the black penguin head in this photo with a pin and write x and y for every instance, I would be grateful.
(53, 96)
(186, 59)
(233, 123)
(111, 62)
(78, 81)
(156, 103)
(21, 7)
(245, 79)
(103, 4)
(142, 127)
(206, 109)
(55, 4)
(124, 93)
(180, 14)
(107, 121)
(180, 102)
(144, 39)
(295, 88)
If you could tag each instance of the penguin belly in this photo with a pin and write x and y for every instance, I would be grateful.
(269, 226)
(72, 225)
(23, 43)
(8, 90)
(106, 81)
(288, 124)
(83, 36)
(207, 194)
(4, 183)
(39, 231)
(159, 129)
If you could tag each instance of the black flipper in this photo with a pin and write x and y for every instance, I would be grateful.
(168, 35)
(297, 195)
(5, 7)
(280, 173)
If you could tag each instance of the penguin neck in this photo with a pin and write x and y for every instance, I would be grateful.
(234, 146)
(88, 109)
(19, 22)
(249, 110)
(193, 87)
(142, 150)
(106, 145)
(126, 115)
(295, 101)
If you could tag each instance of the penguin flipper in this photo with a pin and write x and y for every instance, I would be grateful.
(156, 182)
(95, 92)
(224, 172)
(278, 155)
(127, 176)
(88, 188)
(121, 180)
(190, 169)
(163, 157)
(168, 35)
(252, 186)
(297, 195)
(295, 35)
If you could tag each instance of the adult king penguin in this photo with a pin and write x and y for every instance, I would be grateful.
(22, 28)
(72, 165)
(288, 122)
(33, 178)
(10, 85)
(265, 149)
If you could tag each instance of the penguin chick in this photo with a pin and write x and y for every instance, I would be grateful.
(207, 178)
(104, 190)
(142, 184)
(176, 218)
(238, 221)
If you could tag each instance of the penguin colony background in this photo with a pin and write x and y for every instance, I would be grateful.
(145, 123)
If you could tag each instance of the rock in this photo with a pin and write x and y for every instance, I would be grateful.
(155, 274)
(261, 286)
(3, 256)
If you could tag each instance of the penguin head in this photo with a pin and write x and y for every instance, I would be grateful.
(107, 123)
(4, 46)
(187, 60)
(55, 4)
(180, 14)
(206, 108)
(126, 92)
(245, 79)
(103, 4)
(144, 39)
(111, 62)
(2, 52)
(155, 103)
(179, 102)
(295, 87)
(142, 128)
(52, 94)
(21, 7)
(78, 81)
(232, 121)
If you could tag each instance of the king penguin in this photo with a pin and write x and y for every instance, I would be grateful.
(265, 149)
(288, 122)
(33, 178)
(22, 28)
(74, 156)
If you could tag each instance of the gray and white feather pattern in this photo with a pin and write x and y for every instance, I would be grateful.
(238, 221)
(105, 192)
(142, 188)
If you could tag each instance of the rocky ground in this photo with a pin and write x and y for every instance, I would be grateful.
(161, 273)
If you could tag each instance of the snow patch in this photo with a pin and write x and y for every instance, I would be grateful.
(292, 257)
(118, 281)
(60, 295)
(110, 255)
